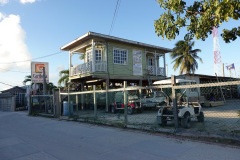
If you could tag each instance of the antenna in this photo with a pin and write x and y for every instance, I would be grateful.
(218, 66)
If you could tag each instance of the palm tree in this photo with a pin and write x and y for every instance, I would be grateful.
(50, 86)
(64, 78)
(184, 57)
(27, 79)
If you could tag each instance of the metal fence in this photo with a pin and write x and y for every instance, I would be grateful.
(42, 104)
(211, 108)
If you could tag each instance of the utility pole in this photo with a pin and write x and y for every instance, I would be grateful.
(44, 89)
(44, 82)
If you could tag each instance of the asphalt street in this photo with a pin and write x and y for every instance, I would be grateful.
(36, 138)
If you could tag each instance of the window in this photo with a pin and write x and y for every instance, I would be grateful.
(89, 56)
(98, 55)
(150, 61)
(120, 56)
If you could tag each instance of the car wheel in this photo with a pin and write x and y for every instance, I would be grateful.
(140, 110)
(164, 121)
(130, 110)
(113, 109)
(200, 117)
(185, 121)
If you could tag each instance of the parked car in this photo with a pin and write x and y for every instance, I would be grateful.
(133, 105)
(153, 99)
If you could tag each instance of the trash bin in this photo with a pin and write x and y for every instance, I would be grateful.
(65, 108)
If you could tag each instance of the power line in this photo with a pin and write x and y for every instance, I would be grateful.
(7, 84)
(114, 16)
(34, 58)
(13, 71)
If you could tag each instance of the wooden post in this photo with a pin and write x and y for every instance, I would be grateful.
(57, 99)
(95, 102)
(69, 103)
(140, 90)
(125, 103)
(54, 104)
(107, 101)
(30, 105)
(174, 99)
(77, 103)
(60, 102)
(82, 96)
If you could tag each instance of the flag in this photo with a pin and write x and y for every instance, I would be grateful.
(231, 66)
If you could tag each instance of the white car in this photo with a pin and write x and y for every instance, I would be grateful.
(153, 99)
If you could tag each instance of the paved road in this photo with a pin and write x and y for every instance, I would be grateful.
(36, 138)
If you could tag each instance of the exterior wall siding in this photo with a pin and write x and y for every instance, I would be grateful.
(123, 70)
(117, 70)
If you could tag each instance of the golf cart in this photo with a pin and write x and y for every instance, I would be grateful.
(186, 110)
(133, 105)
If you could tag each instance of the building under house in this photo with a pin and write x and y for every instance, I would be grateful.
(111, 60)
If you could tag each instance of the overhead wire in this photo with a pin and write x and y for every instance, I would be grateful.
(33, 58)
(13, 71)
(7, 84)
(114, 16)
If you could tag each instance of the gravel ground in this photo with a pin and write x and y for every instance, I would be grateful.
(221, 119)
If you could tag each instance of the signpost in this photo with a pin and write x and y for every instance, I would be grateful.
(37, 72)
(40, 74)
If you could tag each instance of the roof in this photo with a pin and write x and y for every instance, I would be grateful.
(90, 35)
(203, 76)
(13, 88)
(169, 81)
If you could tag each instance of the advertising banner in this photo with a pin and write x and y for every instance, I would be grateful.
(37, 72)
(137, 62)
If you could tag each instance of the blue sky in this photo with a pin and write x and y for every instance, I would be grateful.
(40, 27)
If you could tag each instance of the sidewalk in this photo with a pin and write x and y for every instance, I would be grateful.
(37, 138)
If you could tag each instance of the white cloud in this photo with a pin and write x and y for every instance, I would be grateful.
(12, 45)
(3, 2)
(27, 1)
(60, 68)
(1, 16)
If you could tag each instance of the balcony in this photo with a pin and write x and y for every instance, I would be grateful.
(152, 71)
(88, 67)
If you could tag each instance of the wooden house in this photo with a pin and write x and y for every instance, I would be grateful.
(110, 60)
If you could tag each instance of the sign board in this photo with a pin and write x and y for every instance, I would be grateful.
(137, 62)
(37, 72)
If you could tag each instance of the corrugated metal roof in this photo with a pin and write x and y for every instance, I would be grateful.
(90, 35)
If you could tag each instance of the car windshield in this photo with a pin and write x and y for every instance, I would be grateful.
(150, 95)
(159, 94)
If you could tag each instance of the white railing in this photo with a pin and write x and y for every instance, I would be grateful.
(160, 71)
(87, 68)
(100, 66)
(152, 70)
